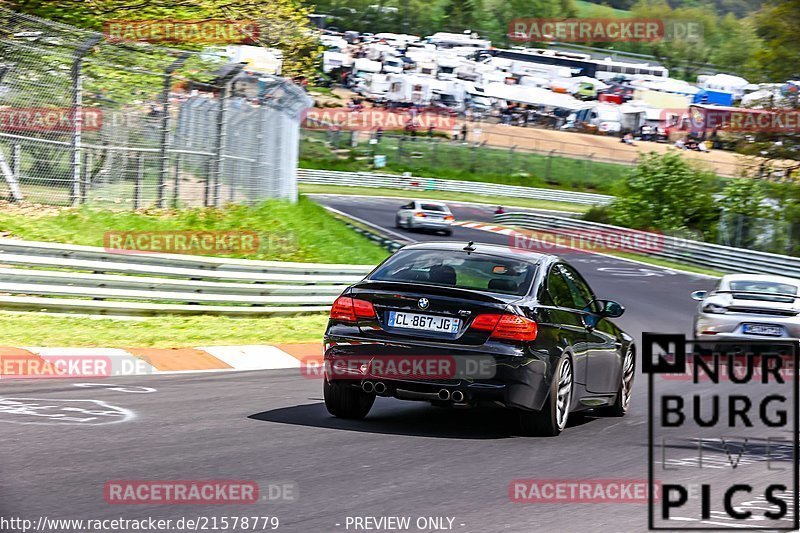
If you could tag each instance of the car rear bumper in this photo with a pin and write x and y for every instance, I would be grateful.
(741, 337)
(511, 378)
(730, 326)
(432, 224)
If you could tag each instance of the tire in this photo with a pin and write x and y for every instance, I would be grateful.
(397, 222)
(622, 401)
(344, 401)
(448, 232)
(552, 419)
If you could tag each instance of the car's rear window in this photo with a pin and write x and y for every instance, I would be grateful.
(766, 287)
(475, 271)
(433, 207)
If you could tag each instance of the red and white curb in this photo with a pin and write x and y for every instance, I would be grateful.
(486, 227)
(39, 362)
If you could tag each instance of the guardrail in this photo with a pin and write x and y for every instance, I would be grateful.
(702, 254)
(88, 279)
(394, 181)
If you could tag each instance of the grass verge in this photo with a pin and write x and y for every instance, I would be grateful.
(309, 188)
(302, 232)
(36, 329)
(447, 160)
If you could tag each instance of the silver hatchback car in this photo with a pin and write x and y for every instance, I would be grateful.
(425, 215)
(749, 306)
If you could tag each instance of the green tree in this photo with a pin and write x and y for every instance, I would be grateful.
(736, 46)
(743, 212)
(665, 192)
(777, 24)
(462, 15)
(683, 56)
(283, 23)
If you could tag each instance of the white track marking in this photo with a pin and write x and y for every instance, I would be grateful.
(254, 357)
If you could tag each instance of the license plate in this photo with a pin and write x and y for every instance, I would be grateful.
(760, 329)
(441, 324)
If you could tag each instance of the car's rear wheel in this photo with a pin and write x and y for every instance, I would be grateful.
(623, 400)
(552, 419)
(448, 232)
(345, 401)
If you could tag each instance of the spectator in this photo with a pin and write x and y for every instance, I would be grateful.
(628, 139)
(680, 144)
(430, 131)
(702, 147)
(464, 132)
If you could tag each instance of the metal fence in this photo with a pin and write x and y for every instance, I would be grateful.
(421, 185)
(88, 120)
(557, 164)
(535, 151)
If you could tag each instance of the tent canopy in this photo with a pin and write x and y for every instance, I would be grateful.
(534, 96)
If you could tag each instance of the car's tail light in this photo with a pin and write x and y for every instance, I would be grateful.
(420, 215)
(485, 322)
(349, 309)
(450, 218)
(506, 326)
(715, 309)
(363, 308)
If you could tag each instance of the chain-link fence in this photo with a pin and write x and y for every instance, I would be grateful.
(87, 120)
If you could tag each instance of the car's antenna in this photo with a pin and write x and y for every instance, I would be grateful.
(469, 248)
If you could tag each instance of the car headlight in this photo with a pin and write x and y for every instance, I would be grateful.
(715, 309)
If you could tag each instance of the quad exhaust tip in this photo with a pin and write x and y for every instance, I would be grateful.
(457, 396)
(379, 387)
(444, 395)
(368, 387)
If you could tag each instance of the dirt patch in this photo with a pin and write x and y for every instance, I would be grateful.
(30, 209)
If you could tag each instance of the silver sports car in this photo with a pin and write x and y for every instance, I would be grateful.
(748, 306)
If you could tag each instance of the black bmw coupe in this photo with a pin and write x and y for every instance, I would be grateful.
(464, 324)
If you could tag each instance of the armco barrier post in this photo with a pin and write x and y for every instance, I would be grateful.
(164, 140)
(221, 132)
(77, 114)
(176, 181)
(549, 164)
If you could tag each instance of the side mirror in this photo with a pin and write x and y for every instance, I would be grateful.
(610, 309)
(699, 295)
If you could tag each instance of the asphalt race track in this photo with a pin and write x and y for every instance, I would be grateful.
(405, 459)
